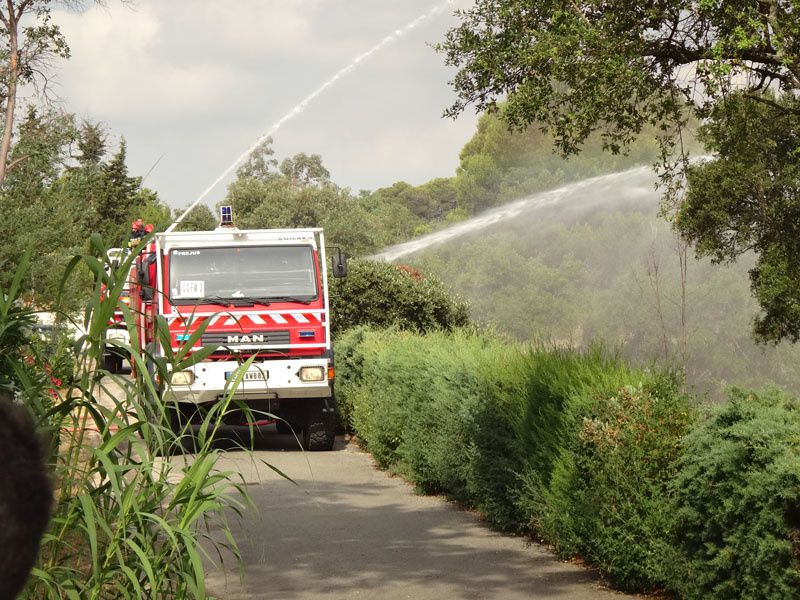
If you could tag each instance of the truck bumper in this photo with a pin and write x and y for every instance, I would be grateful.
(119, 334)
(270, 380)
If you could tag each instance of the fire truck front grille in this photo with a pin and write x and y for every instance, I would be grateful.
(249, 338)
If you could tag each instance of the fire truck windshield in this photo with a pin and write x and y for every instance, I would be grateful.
(264, 272)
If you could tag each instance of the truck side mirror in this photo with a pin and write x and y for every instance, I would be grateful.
(339, 264)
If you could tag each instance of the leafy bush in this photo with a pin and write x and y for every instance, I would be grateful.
(608, 499)
(737, 501)
(574, 447)
(349, 369)
(383, 295)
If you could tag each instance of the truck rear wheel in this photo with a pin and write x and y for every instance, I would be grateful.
(180, 419)
(112, 362)
(319, 431)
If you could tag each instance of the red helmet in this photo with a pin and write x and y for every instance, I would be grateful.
(137, 225)
(149, 228)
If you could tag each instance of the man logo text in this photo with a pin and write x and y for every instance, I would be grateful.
(246, 339)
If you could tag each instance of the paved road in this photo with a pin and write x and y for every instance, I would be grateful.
(347, 530)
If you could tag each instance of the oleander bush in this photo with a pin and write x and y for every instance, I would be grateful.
(608, 500)
(380, 294)
(471, 415)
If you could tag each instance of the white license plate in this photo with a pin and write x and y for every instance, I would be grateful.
(249, 375)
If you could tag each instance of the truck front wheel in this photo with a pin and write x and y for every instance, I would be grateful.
(320, 427)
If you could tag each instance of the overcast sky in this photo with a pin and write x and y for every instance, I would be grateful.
(197, 81)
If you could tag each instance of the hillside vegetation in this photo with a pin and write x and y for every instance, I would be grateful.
(601, 265)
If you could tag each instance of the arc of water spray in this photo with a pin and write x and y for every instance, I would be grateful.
(392, 37)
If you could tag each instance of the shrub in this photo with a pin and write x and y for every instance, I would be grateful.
(575, 447)
(608, 499)
(383, 295)
(737, 501)
(349, 368)
(603, 461)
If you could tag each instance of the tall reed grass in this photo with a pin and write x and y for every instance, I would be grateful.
(127, 522)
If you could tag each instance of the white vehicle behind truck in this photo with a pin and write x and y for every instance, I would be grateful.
(116, 330)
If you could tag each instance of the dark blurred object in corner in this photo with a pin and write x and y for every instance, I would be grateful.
(26, 496)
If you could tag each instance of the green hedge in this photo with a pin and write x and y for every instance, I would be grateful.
(737, 498)
(601, 460)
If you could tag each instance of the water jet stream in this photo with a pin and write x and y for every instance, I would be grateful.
(631, 185)
(392, 37)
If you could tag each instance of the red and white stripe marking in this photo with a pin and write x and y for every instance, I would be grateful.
(256, 319)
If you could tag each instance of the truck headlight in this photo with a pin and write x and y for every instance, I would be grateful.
(182, 378)
(311, 373)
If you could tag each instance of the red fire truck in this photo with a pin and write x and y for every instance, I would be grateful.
(262, 294)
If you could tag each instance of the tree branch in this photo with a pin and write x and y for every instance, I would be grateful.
(16, 161)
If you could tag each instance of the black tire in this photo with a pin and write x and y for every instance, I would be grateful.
(319, 431)
(112, 362)
(283, 427)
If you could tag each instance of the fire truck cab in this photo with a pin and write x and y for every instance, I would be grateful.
(261, 294)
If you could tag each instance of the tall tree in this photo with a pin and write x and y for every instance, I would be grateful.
(91, 143)
(119, 192)
(573, 67)
(260, 164)
(200, 219)
(29, 39)
(303, 170)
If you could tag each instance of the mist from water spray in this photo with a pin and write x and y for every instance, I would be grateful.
(392, 37)
(595, 192)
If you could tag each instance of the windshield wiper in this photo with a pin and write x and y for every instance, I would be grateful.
(253, 300)
(289, 299)
(223, 301)
(218, 300)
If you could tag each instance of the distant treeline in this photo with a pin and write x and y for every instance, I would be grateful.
(496, 166)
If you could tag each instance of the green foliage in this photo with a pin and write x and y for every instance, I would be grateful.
(609, 497)
(118, 194)
(499, 165)
(200, 219)
(577, 68)
(91, 143)
(470, 415)
(380, 294)
(737, 499)
(304, 170)
(746, 200)
(599, 459)
(586, 269)
(303, 199)
(51, 205)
